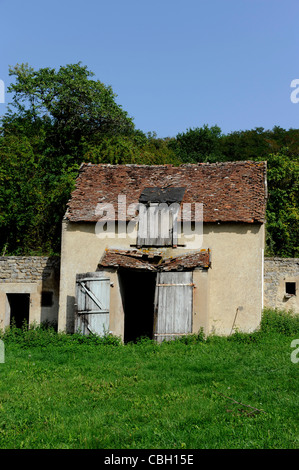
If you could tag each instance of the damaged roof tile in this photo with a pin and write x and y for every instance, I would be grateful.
(154, 261)
(229, 192)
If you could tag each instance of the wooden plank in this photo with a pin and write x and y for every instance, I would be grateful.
(169, 285)
(152, 225)
(89, 293)
(83, 312)
(156, 226)
(93, 303)
(174, 304)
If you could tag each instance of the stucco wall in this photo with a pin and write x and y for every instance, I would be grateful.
(29, 275)
(278, 271)
(229, 295)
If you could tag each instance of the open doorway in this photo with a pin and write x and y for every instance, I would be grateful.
(138, 293)
(19, 309)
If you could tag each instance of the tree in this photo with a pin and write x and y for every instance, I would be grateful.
(67, 103)
(133, 149)
(32, 198)
(283, 206)
(258, 143)
(201, 144)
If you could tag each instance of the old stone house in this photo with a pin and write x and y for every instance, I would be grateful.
(164, 251)
(281, 281)
(29, 290)
(142, 284)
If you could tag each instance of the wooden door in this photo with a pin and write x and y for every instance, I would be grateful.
(93, 303)
(173, 305)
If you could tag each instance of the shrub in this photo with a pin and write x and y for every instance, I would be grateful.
(43, 336)
(192, 338)
(279, 321)
(240, 337)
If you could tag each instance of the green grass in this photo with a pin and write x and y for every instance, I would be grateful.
(62, 391)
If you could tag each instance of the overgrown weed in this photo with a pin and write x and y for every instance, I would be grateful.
(277, 322)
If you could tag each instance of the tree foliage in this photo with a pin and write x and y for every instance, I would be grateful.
(32, 198)
(58, 119)
(283, 205)
(201, 144)
(67, 104)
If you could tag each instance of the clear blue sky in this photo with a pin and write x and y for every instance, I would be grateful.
(173, 64)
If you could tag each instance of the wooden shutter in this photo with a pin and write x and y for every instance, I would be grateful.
(157, 225)
(93, 303)
(173, 305)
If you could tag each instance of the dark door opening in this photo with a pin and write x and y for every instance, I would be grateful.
(19, 309)
(138, 293)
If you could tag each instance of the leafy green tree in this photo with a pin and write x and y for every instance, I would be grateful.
(32, 197)
(67, 103)
(136, 148)
(283, 206)
(201, 144)
(258, 143)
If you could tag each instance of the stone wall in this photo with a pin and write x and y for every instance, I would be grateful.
(35, 276)
(278, 272)
(27, 268)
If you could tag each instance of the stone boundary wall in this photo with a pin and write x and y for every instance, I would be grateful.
(28, 268)
(36, 276)
(278, 271)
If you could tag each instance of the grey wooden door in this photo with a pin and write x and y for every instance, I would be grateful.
(173, 305)
(157, 225)
(93, 303)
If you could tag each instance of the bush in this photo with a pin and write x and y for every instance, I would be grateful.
(273, 322)
(192, 338)
(279, 321)
(240, 337)
(43, 336)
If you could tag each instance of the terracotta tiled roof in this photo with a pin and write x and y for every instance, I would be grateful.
(154, 261)
(229, 192)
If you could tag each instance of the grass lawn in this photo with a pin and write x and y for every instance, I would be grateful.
(63, 392)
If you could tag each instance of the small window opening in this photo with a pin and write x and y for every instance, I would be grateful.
(19, 305)
(291, 288)
(47, 299)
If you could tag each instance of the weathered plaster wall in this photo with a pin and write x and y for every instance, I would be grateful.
(229, 295)
(278, 271)
(32, 275)
(235, 277)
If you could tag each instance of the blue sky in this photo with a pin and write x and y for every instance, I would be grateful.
(173, 64)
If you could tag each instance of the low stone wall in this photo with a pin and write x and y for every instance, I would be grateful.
(35, 276)
(278, 272)
(27, 268)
